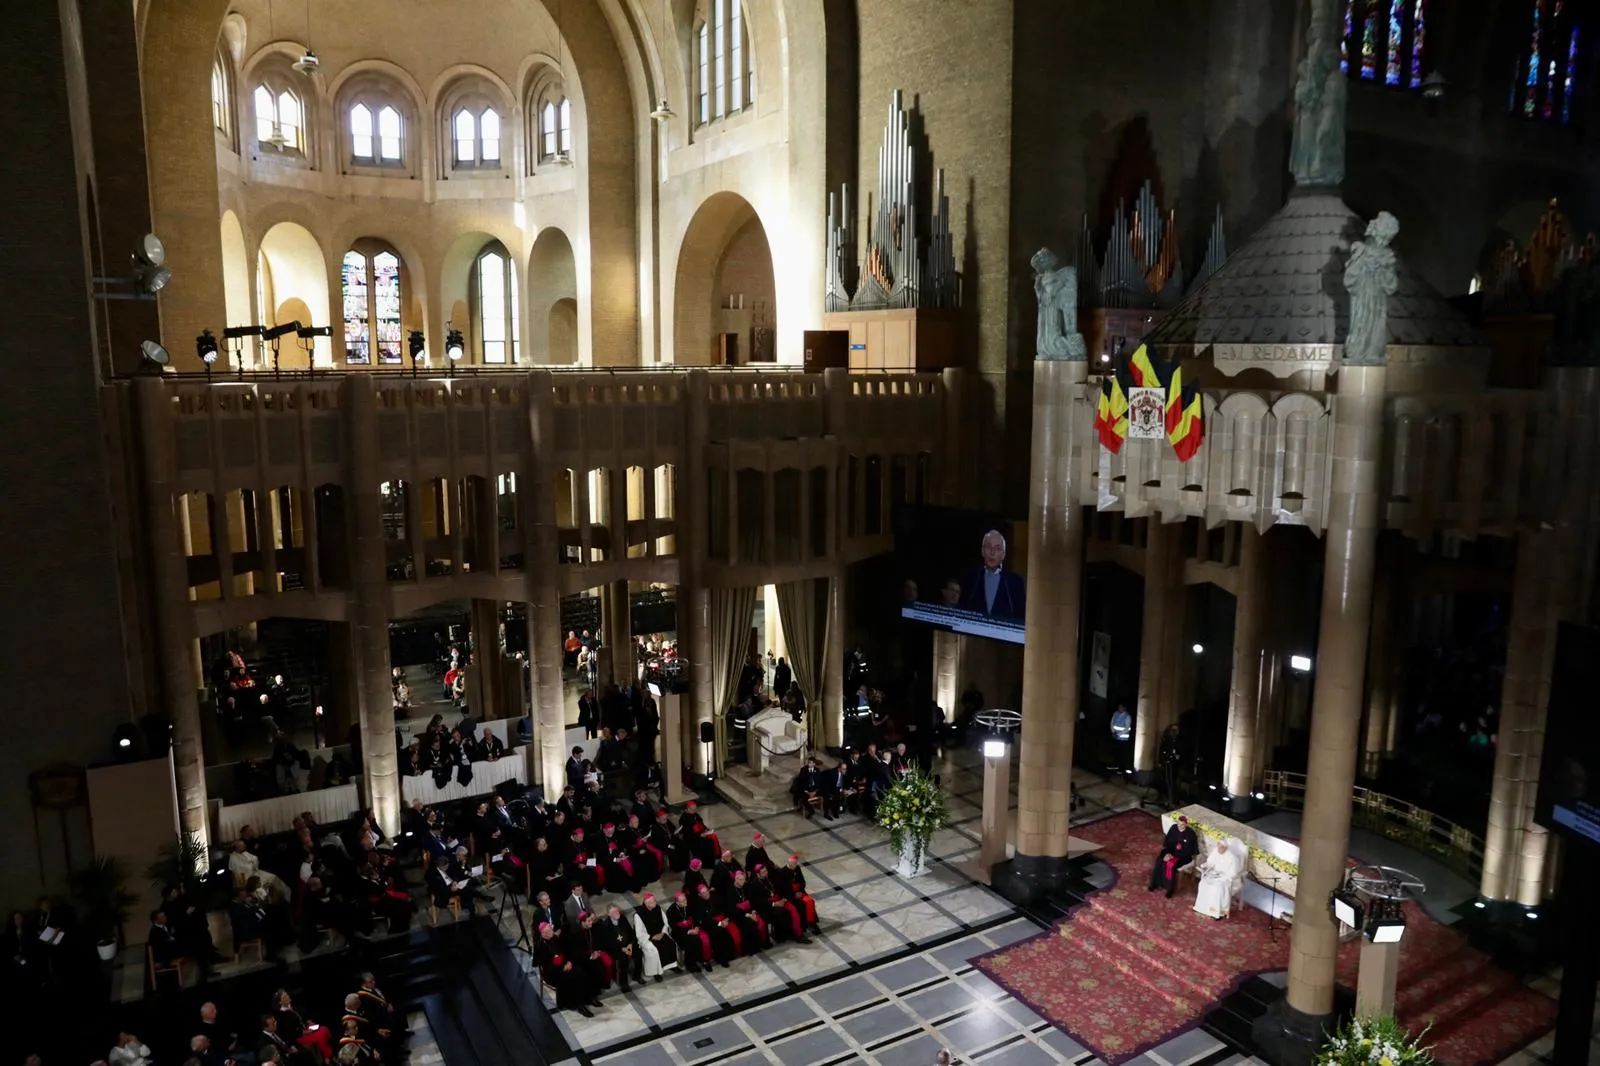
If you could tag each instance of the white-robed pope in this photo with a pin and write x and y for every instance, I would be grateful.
(1221, 871)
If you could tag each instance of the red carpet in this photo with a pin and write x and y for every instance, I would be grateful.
(1131, 968)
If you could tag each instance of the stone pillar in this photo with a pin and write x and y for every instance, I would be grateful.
(833, 667)
(946, 671)
(996, 819)
(369, 618)
(1528, 637)
(1348, 563)
(1380, 657)
(536, 513)
(675, 742)
(1050, 656)
(485, 682)
(1156, 632)
(619, 634)
(1376, 978)
(694, 601)
(1244, 690)
(175, 640)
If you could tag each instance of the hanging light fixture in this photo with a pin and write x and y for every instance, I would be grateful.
(663, 111)
(308, 62)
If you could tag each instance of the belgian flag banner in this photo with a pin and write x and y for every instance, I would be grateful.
(1147, 399)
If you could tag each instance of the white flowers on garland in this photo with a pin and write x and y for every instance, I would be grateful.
(912, 811)
(1374, 1042)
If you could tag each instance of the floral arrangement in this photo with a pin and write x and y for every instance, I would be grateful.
(912, 811)
(1374, 1042)
(1261, 855)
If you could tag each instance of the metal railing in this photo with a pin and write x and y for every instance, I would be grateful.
(235, 375)
(1457, 846)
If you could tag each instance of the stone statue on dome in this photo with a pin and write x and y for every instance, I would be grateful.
(1316, 156)
(1370, 278)
(1057, 289)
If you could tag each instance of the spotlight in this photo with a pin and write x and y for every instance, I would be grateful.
(1480, 904)
(154, 355)
(416, 344)
(1212, 787)
(454, 346)
(1385, 930)
(151, 251)
(205, 346)
(995, 748)
(318, 711)
(272, 333)
(1260, 795)
(1300, 664)
(306, 332)
(1346, 908)
(151, 278)
(1197, 648)
(123, 738)
(1532, 915)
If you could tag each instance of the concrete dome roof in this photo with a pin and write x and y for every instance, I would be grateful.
(1281, 297)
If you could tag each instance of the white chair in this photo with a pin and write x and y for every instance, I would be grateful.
(1236, 890)
(775, 732)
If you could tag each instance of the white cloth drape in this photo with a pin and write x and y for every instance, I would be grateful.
(803, 613)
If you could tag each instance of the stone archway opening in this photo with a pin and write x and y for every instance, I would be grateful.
(725, 305)
(553, 300)
(298, 291)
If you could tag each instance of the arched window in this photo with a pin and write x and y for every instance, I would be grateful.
(1545, 76)
(279, 122)
(221, 98)
(555, 127)
(476, 136)
(725, 75)
(370, 288)
(1386, 42)
(494, 310)
(385, 147)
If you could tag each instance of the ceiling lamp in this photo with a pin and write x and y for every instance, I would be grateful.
(663, 111)
(1433, 86)
(307, 64)
(563, 159)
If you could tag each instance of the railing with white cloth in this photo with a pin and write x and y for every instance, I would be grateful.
(486, 777)
(277, 815)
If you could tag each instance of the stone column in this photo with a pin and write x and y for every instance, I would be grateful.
(1348, 563)
(1050, 656)
(946, 671)
(1375, 979)
(487, 675)
(1244, 690)
(536, 512)
(1380, 656)
(675, 741)
(1528, 637)
(619, 634)
(174, 617)
(1156, 632)
(694, 601)
(832, 695)
(369, 617)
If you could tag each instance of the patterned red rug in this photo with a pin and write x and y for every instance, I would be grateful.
(1131, 969)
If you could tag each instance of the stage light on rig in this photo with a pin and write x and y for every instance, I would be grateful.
(454, 345)
(205, 346)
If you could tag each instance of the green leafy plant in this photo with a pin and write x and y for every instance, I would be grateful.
(912, 811)
(100, 891)
(1378, 1041)
(180, 864)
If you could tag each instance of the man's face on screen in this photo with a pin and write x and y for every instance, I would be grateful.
(994, 551)
(951, 593)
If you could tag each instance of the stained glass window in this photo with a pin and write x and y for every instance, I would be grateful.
(357, 309)
(1393, 70)
(386, 305)
(361, 132)
(1571, 78)
(1419, 41)
(1531, 100)
(1369, 42)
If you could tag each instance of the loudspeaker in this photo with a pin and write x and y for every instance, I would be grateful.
(708, 733)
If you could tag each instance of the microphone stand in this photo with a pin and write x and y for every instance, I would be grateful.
(1272, 909)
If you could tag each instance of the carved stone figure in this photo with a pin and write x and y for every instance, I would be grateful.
(1370, 278)
(1316, 156)
(1057, 289)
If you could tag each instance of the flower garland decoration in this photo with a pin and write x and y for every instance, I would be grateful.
(1257, 854)
(1380, 1041)
(912, 811)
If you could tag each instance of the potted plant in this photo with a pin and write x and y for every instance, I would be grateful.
(101, 893)
(1380, 1041)
(912, 811)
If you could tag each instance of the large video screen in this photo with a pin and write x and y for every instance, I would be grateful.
(959, 572)
(1569, 777)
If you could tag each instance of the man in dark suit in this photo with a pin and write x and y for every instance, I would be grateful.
(991, 589)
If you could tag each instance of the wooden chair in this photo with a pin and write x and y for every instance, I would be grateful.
(242, 946)
(156, 969)
(455, 908)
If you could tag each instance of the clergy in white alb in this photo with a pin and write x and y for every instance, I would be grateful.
(1220, 873)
